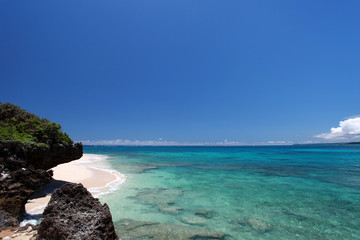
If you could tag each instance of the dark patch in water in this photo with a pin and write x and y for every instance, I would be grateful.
(295, 215)
(164, 199)
(130, 229)
(252, 223)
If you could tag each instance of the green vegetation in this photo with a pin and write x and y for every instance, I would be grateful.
(17, 125)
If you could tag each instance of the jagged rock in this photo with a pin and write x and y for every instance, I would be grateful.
(130, 229)
(15, 155)
(28, 142)
(16, 187)
(73, 213)
(7, 221)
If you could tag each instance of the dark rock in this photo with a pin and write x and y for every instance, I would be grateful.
(28, 140)
(130, 229)
(73, 213)
(16, 187)
(7, 221)
(15, 155)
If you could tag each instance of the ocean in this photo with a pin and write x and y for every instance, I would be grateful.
(256, 192)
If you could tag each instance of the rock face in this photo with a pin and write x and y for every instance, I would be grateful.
(14, 155)
(29, 145)
(17, 186)
(23, 171)
(7, 221)
(28, 140)
(73, 213)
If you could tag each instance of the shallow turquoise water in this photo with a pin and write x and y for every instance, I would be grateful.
(285, 192)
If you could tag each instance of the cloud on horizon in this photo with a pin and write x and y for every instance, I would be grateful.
(115, 142)
(161, 142)
(347, 129)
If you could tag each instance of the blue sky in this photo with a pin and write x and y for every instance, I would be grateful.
(184, 71)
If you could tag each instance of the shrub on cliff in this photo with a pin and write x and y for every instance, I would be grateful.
(18, 125)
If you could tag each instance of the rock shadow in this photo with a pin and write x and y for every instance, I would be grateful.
(48, 189)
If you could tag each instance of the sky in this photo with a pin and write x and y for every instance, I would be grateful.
(159, 72)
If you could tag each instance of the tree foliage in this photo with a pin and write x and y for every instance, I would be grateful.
(18, 125)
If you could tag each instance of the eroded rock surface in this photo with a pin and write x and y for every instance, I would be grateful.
(15, 155)
(17, 186)
(73, 213)
(7, 221)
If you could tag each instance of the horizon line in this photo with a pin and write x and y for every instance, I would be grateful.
(219, 145)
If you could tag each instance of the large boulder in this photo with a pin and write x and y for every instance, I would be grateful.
(17, 186)
(73, 213)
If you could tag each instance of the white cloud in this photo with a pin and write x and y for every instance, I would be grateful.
(161, 142)
(129, 142)
(349, 128)
(279, 143)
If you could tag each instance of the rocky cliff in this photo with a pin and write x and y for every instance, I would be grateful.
(27, 140)
(29, 146)
(73, 213)
(15, 155)
(17, 186)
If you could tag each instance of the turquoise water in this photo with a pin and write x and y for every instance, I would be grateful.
(277, 192)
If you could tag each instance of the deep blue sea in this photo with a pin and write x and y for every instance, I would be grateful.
(257, 192)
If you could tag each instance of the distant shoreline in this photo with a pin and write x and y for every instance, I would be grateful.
(327, 144)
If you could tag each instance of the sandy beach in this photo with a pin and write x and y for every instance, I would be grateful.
(91, 170)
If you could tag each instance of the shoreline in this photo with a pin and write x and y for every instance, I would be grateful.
(91, 170)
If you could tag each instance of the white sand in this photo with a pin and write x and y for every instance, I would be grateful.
(89, 171)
